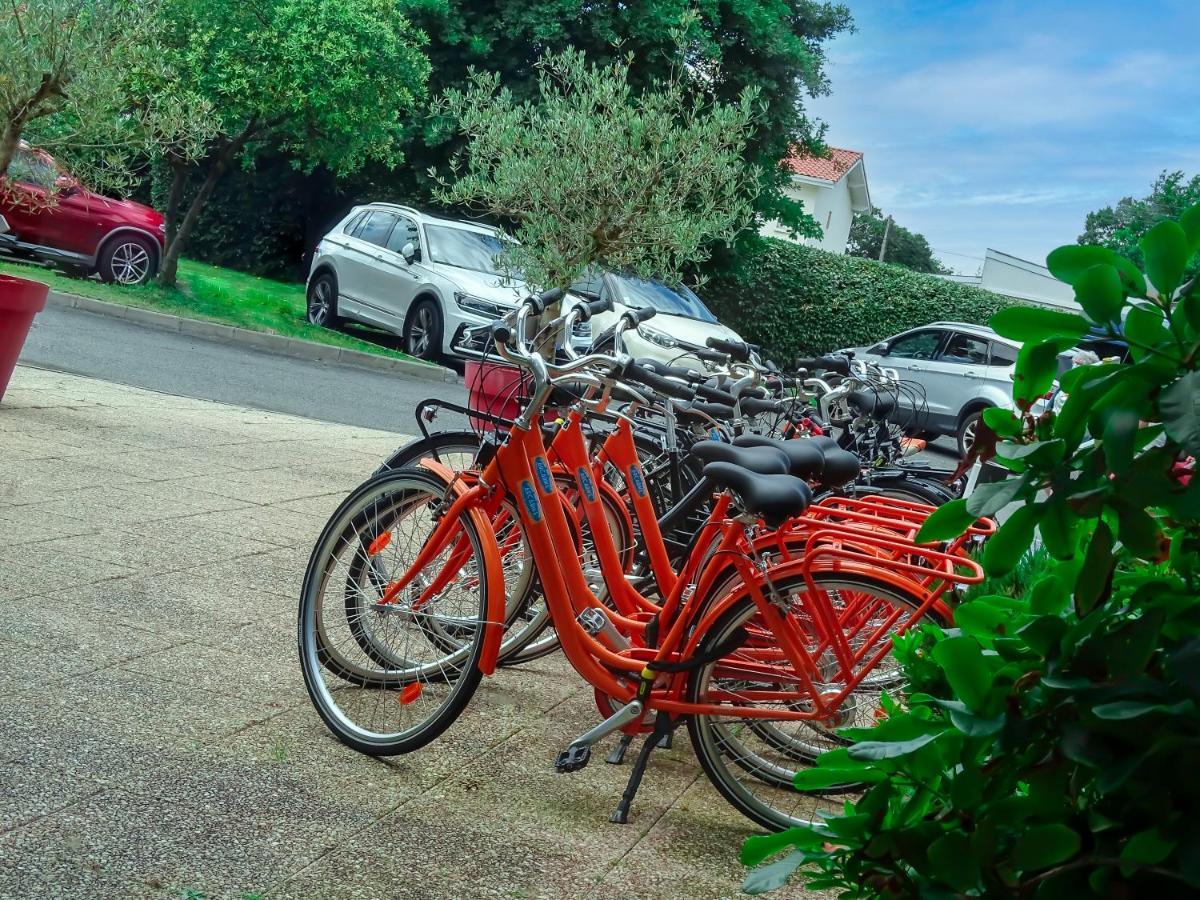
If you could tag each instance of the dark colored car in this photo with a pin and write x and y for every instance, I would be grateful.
(53, 218)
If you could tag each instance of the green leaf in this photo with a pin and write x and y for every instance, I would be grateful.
(774, 876)
(821, 777)
(1189, 221)
(1097, 567)
(1044, 634)
(1002, 421)
(1120, 431)
(1149, 847)
(1144, 326)
(946, 522)
(1048, 596)
(1120, 710)
(1179, 405)
(1006, 547)
(992, 497)
(758, 847)
(952, 861)
(1038, 452)
(1070, 262)
(1033, 323)
(1101, 294)
(1036, 368)
(1166, 250)
(963, 664)
(1059, 527)
(1043, 846)
(1138, 530)
(875, 750)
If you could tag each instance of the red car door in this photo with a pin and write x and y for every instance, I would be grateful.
(49, 209)
(24, 201)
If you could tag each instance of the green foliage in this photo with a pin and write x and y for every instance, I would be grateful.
(1046, 749)
(1121, 227)
(794, 299)
(662, 175)
(773, 46)
(904, 248)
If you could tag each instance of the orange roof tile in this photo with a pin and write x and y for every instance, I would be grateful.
(827, 168)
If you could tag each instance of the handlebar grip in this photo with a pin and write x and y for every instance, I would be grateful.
(738, 350)
(594, 307)
(838, 364)
(711, 356)
(641, 375)
(718, 411)
(501, 333)
(640, 314)
(715, 395)
(689, 375)
(539, 302)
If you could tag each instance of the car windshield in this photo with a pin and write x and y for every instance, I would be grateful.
(464, 249)
(675, 301)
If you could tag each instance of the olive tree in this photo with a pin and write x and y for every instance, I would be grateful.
(591, 171)
(331, 83)
(67, 83)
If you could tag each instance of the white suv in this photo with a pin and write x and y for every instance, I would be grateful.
(421, 277)
(963, 368)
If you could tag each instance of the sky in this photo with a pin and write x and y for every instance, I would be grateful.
(1002, 124)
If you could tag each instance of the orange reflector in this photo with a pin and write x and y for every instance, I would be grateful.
(410, 693)
(379, 543)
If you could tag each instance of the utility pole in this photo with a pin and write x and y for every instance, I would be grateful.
(887, 228)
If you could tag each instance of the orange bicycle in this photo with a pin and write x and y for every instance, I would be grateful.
(757, 652)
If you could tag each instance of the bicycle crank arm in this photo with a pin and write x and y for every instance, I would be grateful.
(577, 755)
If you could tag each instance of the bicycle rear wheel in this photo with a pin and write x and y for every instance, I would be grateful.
(753, 761)
(404, 686)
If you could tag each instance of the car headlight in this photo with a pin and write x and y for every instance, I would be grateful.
(480, 307)
(654, 336)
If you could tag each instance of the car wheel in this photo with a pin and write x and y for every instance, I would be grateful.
(322, 301)
(423, 334)
(127, 260)
(968, 428)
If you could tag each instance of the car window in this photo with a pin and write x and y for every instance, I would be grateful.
(588, 285)
(678, 300)
(31, 168)
(376, 228)
(917, 345)
(1003, 355)
(965, 349)
(354, 224)
(405, 232)
(478, 251)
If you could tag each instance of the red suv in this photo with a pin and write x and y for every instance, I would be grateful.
(52, 217)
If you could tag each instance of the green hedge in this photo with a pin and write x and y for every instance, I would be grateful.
(797, 300)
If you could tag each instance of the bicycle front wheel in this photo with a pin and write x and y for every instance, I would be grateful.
(389, 677)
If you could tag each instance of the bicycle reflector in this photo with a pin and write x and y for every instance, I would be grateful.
(379, 543)
(410, 693)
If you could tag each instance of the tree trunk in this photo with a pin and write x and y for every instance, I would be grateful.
(9, 140)
(168, 274)
(178, 180)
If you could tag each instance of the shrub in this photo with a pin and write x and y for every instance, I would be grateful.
(794, 299)
(1048, 746)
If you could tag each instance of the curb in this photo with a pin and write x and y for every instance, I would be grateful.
(295, 348)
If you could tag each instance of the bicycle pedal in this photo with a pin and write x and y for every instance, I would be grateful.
(573, 758)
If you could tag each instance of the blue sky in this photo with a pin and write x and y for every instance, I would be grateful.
(1002, 124)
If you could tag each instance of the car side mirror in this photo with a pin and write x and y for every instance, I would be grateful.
(881, 349)
(66, 187)
(409, 252)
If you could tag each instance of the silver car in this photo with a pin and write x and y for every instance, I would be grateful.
(424, 278)
(962, 368)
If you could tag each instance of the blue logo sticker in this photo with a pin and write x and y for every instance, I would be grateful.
(543, 473)
(585, 482)
(529, 495)
(635, 476)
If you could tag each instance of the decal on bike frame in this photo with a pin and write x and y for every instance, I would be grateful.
(585, 482)
(542, 468)
(529, 496)
(635, 478)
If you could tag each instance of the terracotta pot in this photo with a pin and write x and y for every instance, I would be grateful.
(20, 301)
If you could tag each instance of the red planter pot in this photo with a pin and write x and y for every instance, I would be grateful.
(20, 301)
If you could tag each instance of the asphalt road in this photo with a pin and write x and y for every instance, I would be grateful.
(83, 343)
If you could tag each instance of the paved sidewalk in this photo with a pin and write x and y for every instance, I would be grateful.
(155, 735)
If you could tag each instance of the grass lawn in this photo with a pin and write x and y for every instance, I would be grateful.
(211, 293)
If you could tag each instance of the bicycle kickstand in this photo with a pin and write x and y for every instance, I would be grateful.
(662, 728)
(617, 755)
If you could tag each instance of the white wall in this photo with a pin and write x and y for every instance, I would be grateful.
(830, 206)
(1024, 280)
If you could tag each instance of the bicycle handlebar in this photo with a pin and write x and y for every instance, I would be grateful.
(640, 374)
(838, 364)
(736, 350)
